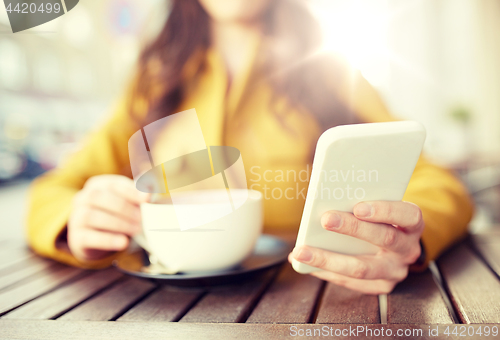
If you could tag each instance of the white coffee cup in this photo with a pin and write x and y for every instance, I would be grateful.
(214, 246)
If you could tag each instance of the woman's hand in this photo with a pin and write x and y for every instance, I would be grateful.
(105, 214)
(395, 227)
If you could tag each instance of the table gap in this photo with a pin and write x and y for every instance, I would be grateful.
(9, 257)
(317, 300)
(103, 289)
(12, 268)
(23, 275)
(64, 283)
(475, 249)
(64, 298)
(232, 303)
(464, 274)
(253, 303)
(289, 299)
(50, 270)
(317, 303)
(134, 303)
(112, 302)
(417, 299)
(189, 306)
(445, 294)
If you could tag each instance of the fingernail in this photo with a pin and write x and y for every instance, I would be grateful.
(331, 221)
(302, 254)
(363, 210)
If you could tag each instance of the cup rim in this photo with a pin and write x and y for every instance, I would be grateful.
(252, 193)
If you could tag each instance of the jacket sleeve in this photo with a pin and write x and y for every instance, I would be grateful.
(445, 203)
(50, 196)
(446, 207)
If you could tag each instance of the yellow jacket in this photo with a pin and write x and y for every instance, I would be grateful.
(264, 145)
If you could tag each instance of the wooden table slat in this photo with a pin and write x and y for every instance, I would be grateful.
(490, 251)
(12, 243)
(62, 299)
(165, 304)
(474, 288)
(9, 256)
(490, 236)
(290, 299)
(50, 329)
(417, 300)
(344, 306)
(231, 303)
(53, 277)
(35, 288)
(112, 302)
(22, 270)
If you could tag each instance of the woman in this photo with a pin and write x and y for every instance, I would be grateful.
(252, 71)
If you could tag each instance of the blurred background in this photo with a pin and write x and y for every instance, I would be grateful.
(434, 61)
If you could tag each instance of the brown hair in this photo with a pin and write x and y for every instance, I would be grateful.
(293, 69)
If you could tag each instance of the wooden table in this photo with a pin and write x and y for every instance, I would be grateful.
(43, 299)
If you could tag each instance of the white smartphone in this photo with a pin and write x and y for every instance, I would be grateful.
(355, 163)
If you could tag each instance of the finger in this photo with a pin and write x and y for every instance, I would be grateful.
(125, 188)
(372, 287)
(382, 235)
(100, 240)
(114, 204)
(363, 268)
(403, 214)
(91, 254)
(102, 220)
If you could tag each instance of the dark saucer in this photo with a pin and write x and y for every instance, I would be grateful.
(269, 252)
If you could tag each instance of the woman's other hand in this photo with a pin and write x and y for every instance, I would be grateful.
(395, 227)
(105, 214)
